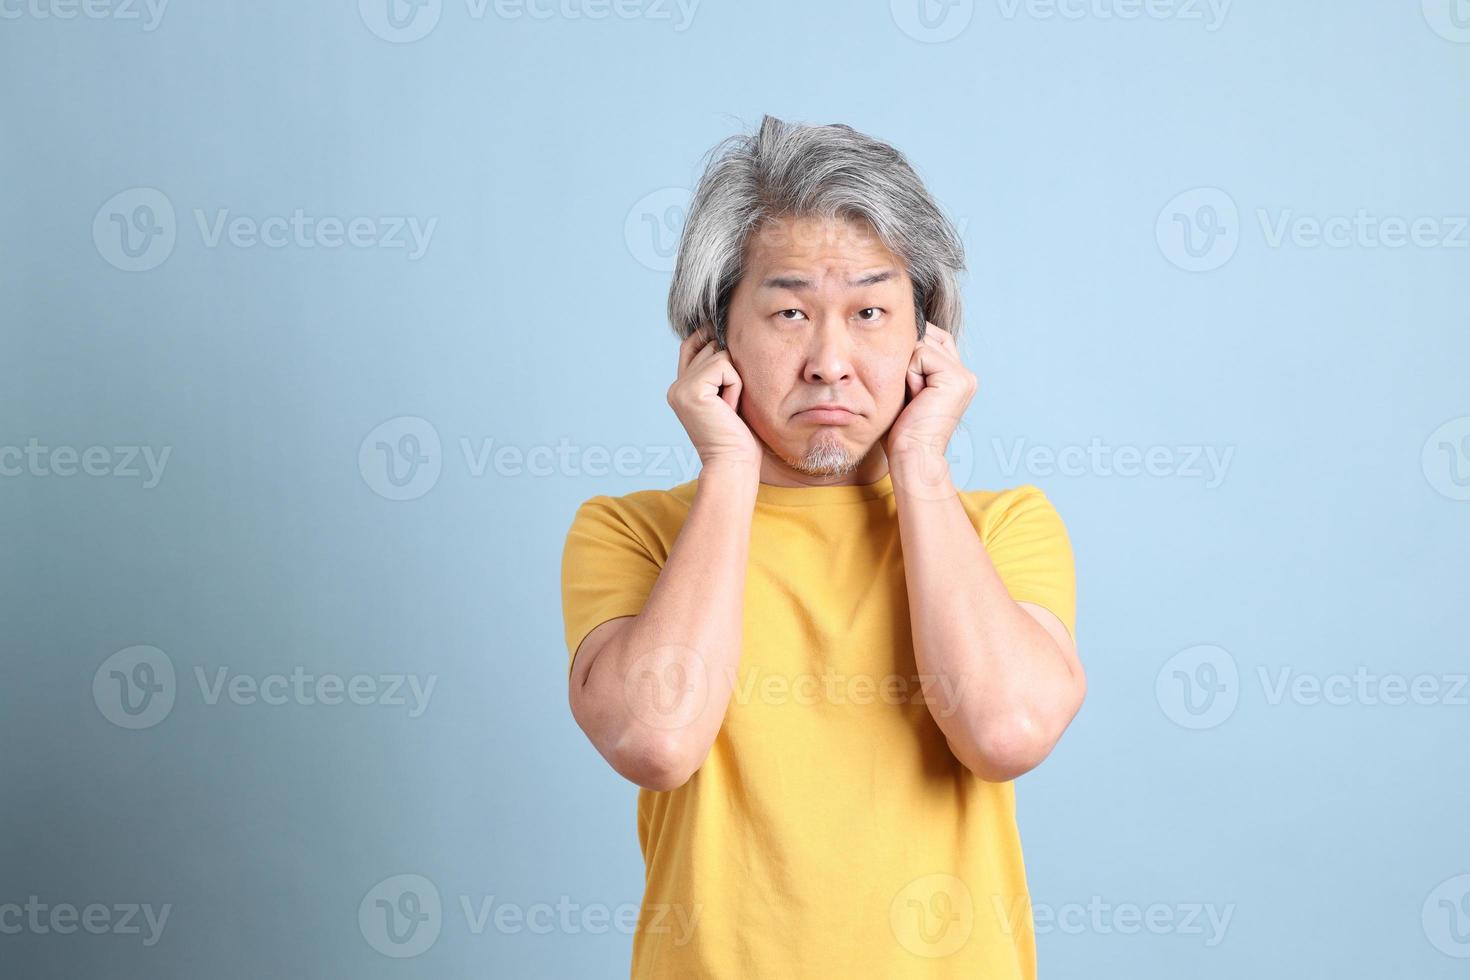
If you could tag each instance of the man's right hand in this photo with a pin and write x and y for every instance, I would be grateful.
(705, 397)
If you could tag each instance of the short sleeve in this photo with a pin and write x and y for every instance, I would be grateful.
(606, 571)
(1029, 546)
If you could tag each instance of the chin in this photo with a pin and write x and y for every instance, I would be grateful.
(826, 456)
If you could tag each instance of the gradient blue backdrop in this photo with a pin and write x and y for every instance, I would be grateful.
(1136, 186)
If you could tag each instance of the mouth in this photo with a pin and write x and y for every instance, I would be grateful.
(826, 415)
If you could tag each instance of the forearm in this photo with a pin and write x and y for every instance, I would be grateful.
(659, 691)
(1007, 690)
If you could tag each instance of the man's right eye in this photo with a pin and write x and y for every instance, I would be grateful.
(782, 314)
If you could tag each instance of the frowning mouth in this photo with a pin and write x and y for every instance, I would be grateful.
(827, 415)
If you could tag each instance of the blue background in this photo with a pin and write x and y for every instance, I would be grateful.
(1335, 539)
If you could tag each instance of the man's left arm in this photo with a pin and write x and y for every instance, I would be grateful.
(1006, 680)
(1006, 677)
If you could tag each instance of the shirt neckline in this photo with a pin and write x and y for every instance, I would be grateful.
(769, 493)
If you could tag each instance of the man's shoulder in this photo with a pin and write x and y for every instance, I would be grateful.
(990, 499)
(990, 508)
(644, 506)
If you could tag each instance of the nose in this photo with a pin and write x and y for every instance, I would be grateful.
(829, 360)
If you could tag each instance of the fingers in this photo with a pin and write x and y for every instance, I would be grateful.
(697, 353)
(940, 338)
(692, 345)
(727, 382)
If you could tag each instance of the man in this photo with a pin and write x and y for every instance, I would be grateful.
(821, 662)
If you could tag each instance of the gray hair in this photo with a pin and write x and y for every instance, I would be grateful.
(801, 171)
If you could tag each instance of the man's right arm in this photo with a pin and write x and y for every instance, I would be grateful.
(651, 690)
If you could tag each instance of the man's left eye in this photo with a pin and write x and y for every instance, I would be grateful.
(874, 310)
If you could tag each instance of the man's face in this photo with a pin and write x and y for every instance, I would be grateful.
(824, 315)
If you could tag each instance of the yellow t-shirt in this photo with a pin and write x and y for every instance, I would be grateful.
(830, 832)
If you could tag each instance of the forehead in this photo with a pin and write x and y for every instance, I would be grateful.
(817, 247)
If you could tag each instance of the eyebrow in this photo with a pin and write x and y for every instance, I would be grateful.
(801, 282)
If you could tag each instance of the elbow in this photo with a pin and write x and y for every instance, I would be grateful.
(1004, 750)
(656, 761)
